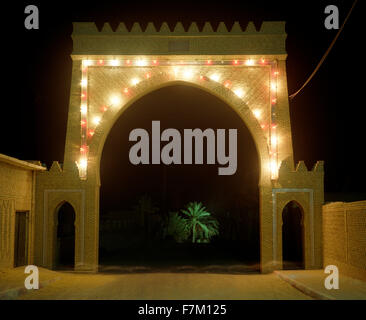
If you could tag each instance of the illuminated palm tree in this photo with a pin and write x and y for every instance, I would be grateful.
(200, 221)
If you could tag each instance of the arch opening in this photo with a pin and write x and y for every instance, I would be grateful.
(293, 236)
(137, 201)
(65, 237)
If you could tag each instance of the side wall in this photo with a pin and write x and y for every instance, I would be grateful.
(16, 193)
(344, 237)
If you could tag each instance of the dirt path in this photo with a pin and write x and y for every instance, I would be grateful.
(166, 286)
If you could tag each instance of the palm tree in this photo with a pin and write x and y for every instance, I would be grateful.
(177, 227)
(200, 221)
(144, 208)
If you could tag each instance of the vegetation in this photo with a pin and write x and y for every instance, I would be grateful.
(202, 225)
(177, 227)
(196, 223)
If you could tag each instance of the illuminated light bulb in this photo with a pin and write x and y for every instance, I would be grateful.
(273, 167)
(227, 84)
(263, 61)
(125, 90)
(202, 77)
(249, 62)
(114, 63)
(83, 123)
(155, 62)
(273, 86)
(84, 82)
(115, 100)
(274, 126)
(87, 63)
(148, 75)
(104, 108)
(141, 63)
(83, 148)
(263, 126)
(96, 120)
(135, 81)
(276, 73)
(83, 163)
(274, 141)
(100, 62)
(215, 77)
(83, 95)
(239, 92)
(209, 62)
(257, 113)
(188, 74)
(128, 62)
(91, 133)
(274, 101)
(235, 62)
(83, 109)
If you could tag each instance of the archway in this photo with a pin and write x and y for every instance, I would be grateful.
(233, 199)
(293, 236)
(65, 237)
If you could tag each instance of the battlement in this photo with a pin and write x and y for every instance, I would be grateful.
(269, 39)
(267, 27)
(300, 167)
(290, 176)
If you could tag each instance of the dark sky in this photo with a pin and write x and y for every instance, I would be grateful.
(327, 117)
(179, 107)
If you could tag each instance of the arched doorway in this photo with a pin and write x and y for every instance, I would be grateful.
(65, 237)
(292, 236)
(127, 190)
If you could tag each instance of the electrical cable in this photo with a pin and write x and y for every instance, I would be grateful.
(325, 54)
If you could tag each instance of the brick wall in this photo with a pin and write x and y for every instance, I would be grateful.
(344, 237)
(16, 194)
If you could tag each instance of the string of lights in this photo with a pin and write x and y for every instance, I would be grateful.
(185, 70)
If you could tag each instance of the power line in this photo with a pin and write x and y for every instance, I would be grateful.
(325, 54)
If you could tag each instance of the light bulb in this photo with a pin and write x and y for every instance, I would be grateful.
(114, 63)
(115, 100)
(96, 120)
(257, 113)
(187, 73)
(141, 63)
(274, 140)
(215, 77)
(83, 109)
(87, 63)
(83, 163)
(135, 81)
(239, 92)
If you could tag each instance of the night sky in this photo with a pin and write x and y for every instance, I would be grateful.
(327, 117)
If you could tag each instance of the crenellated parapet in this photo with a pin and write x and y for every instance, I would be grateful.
(57, 176)
(301, 176)
(269, 39)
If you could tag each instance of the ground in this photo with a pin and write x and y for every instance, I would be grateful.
(180, 285)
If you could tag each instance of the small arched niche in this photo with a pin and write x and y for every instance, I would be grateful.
(293, 236)
(65, 237)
